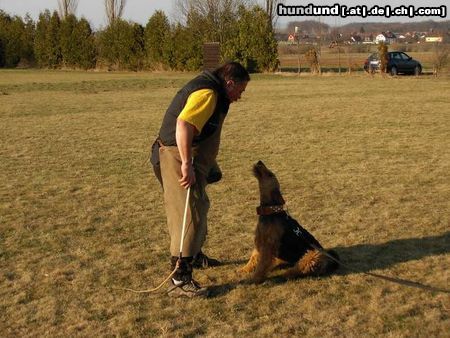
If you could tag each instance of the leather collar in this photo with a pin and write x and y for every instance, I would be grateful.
(267, 210)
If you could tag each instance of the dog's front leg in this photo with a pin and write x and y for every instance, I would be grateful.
(251, 264)
(263, 265)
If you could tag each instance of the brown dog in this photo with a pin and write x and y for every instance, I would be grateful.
(280, 239)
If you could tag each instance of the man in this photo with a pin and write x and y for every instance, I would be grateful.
(184, 155)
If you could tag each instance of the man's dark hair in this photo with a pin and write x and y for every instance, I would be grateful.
(232, 71)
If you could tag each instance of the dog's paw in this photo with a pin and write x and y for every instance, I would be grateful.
(258, 280)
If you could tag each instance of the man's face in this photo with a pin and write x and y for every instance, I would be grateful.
(235, 89)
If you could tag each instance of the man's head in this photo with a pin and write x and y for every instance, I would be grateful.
(234, 78)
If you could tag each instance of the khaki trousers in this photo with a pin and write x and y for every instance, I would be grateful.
(174, 203)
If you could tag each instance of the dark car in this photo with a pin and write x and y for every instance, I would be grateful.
(398, 62)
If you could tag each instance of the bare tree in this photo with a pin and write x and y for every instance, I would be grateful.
(114, 9)
(440, 58)
(67, 7)
(217, 14)
(208, 8)
(271, 9)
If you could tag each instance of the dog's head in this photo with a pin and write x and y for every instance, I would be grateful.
(269, 187)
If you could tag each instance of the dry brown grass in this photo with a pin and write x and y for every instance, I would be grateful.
(364, 163)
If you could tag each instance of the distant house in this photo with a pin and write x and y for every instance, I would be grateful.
(386, 37)
(368, 39)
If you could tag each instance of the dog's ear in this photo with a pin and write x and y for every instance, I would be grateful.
(276, 197)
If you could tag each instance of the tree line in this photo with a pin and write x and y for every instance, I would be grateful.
(57, 41)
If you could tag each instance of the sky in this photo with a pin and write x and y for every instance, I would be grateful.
(141, 10)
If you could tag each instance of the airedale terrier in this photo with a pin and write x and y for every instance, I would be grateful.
(281, 240)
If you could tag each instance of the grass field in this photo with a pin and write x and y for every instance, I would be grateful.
(364, 164)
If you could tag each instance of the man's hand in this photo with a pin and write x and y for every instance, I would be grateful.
(214, 175)
(184, 135)
(188, 175)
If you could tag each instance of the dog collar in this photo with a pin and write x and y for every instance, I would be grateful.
(269, 210)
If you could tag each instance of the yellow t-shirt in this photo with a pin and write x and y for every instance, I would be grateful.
(199, 107)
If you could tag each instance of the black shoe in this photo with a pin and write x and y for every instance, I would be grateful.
(202, 261)
(188, 289)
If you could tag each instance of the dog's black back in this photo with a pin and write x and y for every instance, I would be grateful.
(295, 241)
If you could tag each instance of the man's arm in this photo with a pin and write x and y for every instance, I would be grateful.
(184, 135)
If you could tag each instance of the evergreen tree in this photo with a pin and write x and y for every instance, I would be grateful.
(40, 39)
(137, 47)
(157, 34)
(13, 36)
(14, 42)
(77, 43)
(47, 49)
(69, 41)
(185, 50)
(2, 53)
(253, 41)
(4, 27)
(52, 41)
(87, 53)
(121, 45)
(28, 40)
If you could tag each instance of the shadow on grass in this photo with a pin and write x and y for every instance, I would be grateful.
(367, 257)
(364, 258)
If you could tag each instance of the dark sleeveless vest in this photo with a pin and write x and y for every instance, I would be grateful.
(206, 80)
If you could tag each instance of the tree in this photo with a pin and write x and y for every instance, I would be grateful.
(121, 45)
(312, 58)
(16, 39)
(10, 34)
(77, 43)
(40, 40)
(47, 48)
(271, 10)
(184, 50)
(215, 18)
(53, 41)
(383, 52)
(114, 9)
(440, 57)
(253, 42)
(28, 40)
(2, 53)
(69, 41)
(157, 34)
(87, 52)
(67, 7)
(2, 38)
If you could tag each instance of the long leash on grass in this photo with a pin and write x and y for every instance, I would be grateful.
(387, 278)
(183, 230)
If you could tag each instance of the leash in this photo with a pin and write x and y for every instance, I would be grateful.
(387, 278)
(372, 274)
(186, 206)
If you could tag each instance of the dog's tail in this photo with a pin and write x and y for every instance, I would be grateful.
(315, 263)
